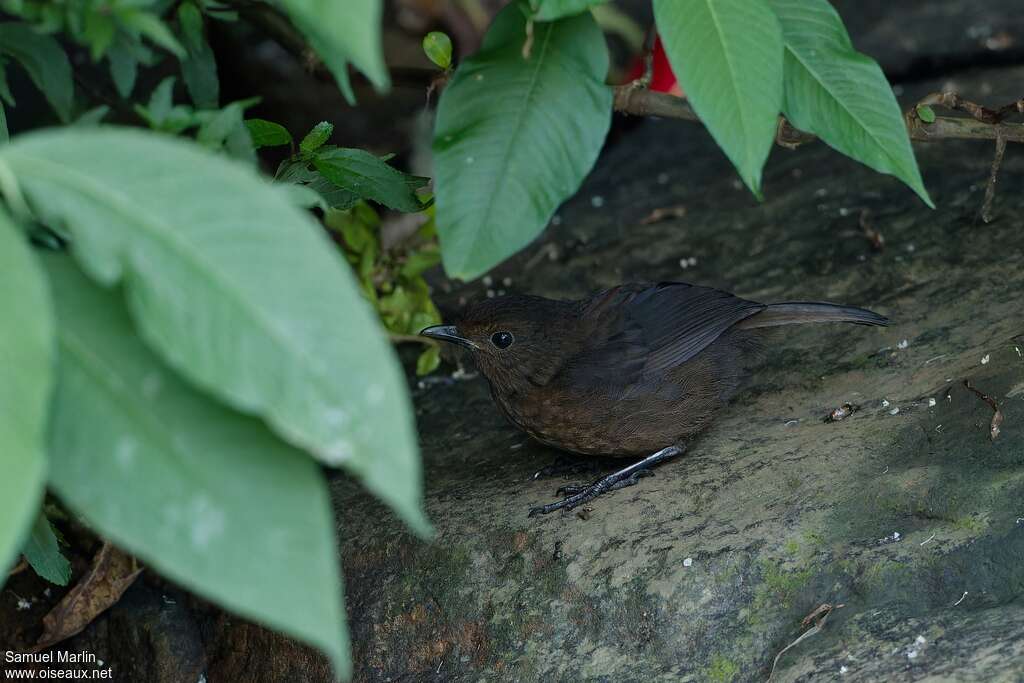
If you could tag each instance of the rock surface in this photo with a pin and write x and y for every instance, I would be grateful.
(907, 513)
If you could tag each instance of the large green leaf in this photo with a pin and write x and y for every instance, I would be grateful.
(516, 135)
(342, 33)
(727, 55)
(236, 288)
(43, 553)
(26, 376)
(208, 497)
(841, 95)
(44, 60)
(549, 10)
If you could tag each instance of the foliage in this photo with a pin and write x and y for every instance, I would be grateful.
(215, 344)
(534, 88)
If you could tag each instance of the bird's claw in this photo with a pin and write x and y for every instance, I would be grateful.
(576, 495)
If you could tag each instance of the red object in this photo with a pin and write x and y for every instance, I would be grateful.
(662, 78)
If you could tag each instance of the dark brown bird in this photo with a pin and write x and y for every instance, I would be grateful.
(634, 370)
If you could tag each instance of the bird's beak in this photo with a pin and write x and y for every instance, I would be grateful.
(448, 333)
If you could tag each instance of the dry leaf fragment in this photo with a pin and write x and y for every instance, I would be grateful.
(997, 414)
(662, 213)
(841, 413)
(111, 574)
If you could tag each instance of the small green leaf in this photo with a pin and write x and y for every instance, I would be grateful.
(43, 553)
(342, 33)
(26, 376)
(199, 68)
(92, 117)
(549, 10)
(727, 55)
(438, 48)
(208, 497)
(516, 136)
(229, 280)
(5, 136)
(840, 95)
(267, 133)
(366, 177)
(316, 138)
(44, 60)
(428, 361)
(925, 113)
(150, 26)
(124, 67)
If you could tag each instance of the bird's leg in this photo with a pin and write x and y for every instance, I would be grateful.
(627, 476)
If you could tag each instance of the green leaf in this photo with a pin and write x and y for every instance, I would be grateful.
(428, 361)
(727, 55)
(515, 137)
(206, 496)
(840, 95)
(267, 133)
(43, 553)
(366, 177)
(124, 67)
(342, 33)
(5, 136)
(199, 68)
(44, 60)
(150, 26)
(438, 48)
(26, 376)
(926, 113)
(226, 279)
(549, 10)
(316, 138)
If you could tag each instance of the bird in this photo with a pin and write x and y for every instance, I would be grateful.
(636, 370)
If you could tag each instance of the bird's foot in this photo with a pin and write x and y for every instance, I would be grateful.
(577, 495)
(631, 480)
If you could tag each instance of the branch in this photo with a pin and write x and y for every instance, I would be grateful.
(986, 124)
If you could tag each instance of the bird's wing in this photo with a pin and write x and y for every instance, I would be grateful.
(639, 330)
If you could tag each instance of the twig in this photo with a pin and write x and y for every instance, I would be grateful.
(410, 339)
(821, 615)
(629, 100)
(997, 414)
(990, 188)
(18, 568)
(873, 235)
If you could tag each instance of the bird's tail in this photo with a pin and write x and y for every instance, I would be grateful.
(795, 312)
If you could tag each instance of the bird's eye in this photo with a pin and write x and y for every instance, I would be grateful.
(502, 340)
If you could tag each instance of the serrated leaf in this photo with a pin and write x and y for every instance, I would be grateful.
(26, 376)
(206, 496)
(366, 177)
(199, 67)
(437, 46)
(267, 133)
(44, 60)
(342, 33)
(516, 136)
(841, 95)
(727, 56)
(549, 10)
(316, 137)
(226, 279)
(43, 553)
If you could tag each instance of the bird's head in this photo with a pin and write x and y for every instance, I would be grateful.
(515, 340)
